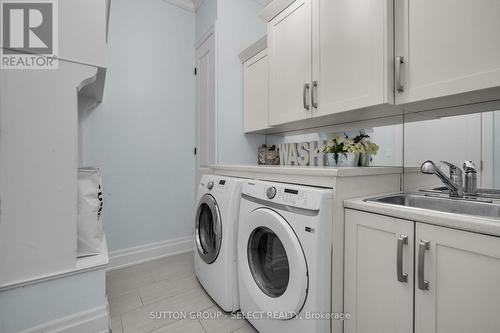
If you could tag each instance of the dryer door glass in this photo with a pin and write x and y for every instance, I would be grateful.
(208, 229)
(268, 262)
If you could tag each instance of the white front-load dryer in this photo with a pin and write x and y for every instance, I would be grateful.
(284, 257)
(216, 227)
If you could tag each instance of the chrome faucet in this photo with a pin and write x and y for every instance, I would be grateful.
(454, 182)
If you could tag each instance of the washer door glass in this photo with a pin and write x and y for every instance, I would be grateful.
(208, 229)
(268, 262)
(272, 264)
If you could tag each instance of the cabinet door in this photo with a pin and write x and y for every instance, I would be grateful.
(449, 47)
(289, 46)
(256, 93)
(462, 270)
(377, 300)
(353, 54)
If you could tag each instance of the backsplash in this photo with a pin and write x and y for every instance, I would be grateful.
(388, 137)
(472, 137)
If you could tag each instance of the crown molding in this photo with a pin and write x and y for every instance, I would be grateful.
(184, 4)
(263, 2)
(197, 4)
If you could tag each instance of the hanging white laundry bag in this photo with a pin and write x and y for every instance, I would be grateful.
(90, 205)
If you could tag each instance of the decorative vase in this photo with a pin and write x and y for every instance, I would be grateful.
(352, 159)
(365, 160)
(342, 159)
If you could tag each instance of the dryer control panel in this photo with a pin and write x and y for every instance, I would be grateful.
(215, 184)
(220, 184)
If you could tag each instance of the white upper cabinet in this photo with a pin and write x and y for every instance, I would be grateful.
(460, 271)
(290, 56)
(353, 54)
(331, 56)
(449, 47)
(337, 61)
(256, 92)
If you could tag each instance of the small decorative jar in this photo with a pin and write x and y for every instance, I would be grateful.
(268, 155)
(273, 156)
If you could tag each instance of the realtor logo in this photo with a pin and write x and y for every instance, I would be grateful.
(29, 34)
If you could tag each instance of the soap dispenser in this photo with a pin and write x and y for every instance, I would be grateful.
(470, 178)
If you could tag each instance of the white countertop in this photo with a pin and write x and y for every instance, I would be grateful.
(321, 171)
(483, 225)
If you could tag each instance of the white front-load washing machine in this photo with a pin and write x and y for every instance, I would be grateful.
(284, 257)
(216, 227)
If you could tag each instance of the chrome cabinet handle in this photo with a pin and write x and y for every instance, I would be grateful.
(314, 95)
(402, 277)
(399, 81)
(422, 247)
(307, 86)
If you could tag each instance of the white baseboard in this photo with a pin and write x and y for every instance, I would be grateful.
(93, 320)
(139, 254)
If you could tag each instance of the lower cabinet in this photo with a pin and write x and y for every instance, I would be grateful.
(462, 273)
(403, 276)
(378, 300)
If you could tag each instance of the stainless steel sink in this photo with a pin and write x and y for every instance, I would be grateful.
(441, 204)
(487, 193)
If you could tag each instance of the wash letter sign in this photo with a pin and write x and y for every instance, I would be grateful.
(302, 154)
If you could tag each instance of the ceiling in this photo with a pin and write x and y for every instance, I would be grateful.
(197, 3)
(264, 2)
(193, 5)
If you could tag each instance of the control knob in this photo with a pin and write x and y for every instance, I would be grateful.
(271, 192)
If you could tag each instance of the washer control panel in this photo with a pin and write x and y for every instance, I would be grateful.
(287, 194)
(292, 196)
(271, 192)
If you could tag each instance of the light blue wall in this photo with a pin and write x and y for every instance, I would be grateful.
(142, 135)
(205, 17)
(237, 27)
(29, 306)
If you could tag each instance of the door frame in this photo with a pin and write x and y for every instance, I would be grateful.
(205, 37)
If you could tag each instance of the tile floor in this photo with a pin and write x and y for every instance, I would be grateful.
(163, 286)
